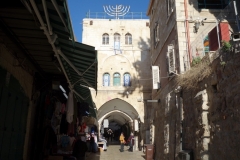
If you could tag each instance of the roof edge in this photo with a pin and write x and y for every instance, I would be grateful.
(149, 7)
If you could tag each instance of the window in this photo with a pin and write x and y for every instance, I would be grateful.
(156, 34)
(128, 38)
(116, 79)
(117, 42)
(106, 79)
(212, 4)
(170, 4)
(117, 37)
(105, 39)
(156, 77)
(171, 59)
(126, 79)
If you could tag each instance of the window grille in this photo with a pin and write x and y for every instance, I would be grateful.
(156, 34)
(171, 59)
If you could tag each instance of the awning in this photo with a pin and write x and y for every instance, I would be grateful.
(78, 61)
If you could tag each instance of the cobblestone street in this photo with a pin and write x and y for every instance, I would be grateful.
(113, 153)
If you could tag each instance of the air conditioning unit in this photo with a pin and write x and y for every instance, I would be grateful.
(185, 155)
(236, 37)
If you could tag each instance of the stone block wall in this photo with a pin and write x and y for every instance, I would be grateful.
(211, 112)
(210, 126)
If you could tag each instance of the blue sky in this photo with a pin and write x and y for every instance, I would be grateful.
(79, 8)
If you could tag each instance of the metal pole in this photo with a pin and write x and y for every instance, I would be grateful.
(219, 45)
(236, 13)
(203, 53)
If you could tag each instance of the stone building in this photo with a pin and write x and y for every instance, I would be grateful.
(181, 31)
(124, 75)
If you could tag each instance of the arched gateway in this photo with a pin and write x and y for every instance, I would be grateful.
(119, 114)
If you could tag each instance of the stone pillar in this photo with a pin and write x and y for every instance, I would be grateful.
(136, 143)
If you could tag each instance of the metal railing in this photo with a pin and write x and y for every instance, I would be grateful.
(104, 15)
(200, 45)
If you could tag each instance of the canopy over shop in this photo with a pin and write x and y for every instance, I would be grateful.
(40, 36)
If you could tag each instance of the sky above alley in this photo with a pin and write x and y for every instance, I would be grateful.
(79, 8)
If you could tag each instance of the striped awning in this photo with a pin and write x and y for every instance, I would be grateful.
(78, 61)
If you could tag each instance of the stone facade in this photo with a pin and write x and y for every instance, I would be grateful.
(181, 119)
(211, 118)
(122, 102)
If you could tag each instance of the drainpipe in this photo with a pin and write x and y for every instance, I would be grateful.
(181, 123)
(187, 30)
(44, 28)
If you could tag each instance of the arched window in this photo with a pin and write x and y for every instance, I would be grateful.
(116, 79)
(105, 38)
(126, 79)
(128, 38)
(116, 41)
(106, 79)
(117, 37)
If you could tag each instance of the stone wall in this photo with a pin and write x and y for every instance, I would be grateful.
(211, 112)
(167, 123)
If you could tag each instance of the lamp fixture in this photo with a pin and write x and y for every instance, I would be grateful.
(63, 90)
(65, 95)
(197, 24)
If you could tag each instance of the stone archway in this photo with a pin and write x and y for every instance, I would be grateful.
(117, 111)
(119, 108)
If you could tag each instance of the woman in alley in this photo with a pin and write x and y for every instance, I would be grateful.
(122, 142)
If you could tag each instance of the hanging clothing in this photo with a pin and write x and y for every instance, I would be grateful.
(65, 141)
(70, 107)
(63, 108)
(71, 129)
(58, 107)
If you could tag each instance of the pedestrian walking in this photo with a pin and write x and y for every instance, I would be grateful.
(102, 139)
(93, 143)
(131, 142)
(122, 142)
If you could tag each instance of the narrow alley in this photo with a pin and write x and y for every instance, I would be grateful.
(113, 153)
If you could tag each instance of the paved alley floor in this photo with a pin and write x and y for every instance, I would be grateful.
(113, 153)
